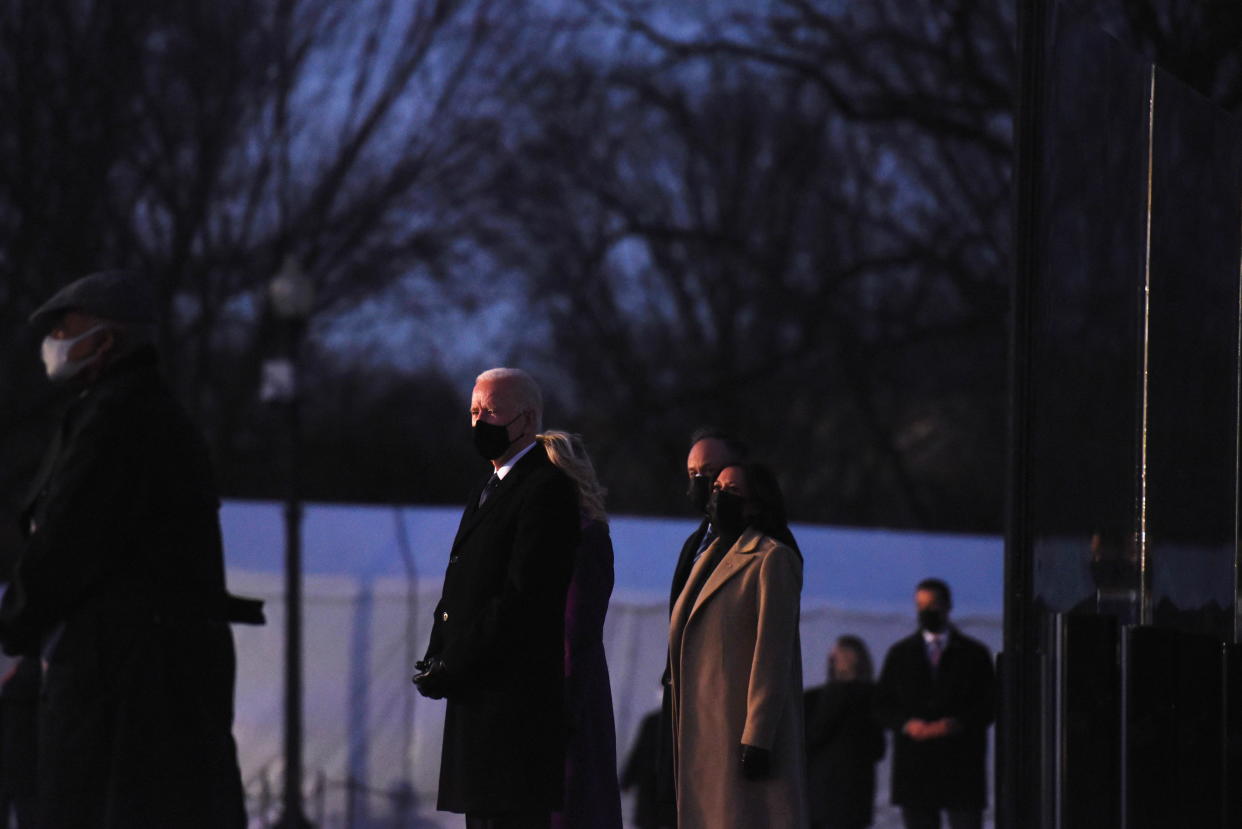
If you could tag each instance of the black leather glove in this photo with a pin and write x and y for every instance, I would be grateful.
(756, 762)
(432, 678)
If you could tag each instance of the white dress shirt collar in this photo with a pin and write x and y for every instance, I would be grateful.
(504, 470)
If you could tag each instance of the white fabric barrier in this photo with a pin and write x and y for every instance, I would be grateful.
(372, 745)
(372, 577)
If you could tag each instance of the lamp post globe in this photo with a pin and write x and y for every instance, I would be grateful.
(291, 292)
(292, 297)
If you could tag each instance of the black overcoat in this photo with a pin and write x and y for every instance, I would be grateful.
(685, 563)
(499, 628)
(120, 589)
(947, 772)
(666, 790)
(844, 741)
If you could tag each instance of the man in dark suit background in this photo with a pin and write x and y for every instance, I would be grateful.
(496, 649)
(711, 450)
(936, 694)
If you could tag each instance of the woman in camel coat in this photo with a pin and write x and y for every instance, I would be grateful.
(735, 658)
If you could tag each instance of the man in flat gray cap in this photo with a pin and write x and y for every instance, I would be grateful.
(119, 592)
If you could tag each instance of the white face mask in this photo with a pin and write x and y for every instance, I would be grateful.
(56, 355)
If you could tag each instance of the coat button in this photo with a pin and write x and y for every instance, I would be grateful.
(444, 616)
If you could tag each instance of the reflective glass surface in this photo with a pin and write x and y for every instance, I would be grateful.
(1192, 372)
(1085, 361)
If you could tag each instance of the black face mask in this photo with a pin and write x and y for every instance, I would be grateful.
(932, 620)
(492, 439)
(699, 492)
(725, 511)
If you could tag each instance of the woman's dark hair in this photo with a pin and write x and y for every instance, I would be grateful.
(866, 671)
(766, 497)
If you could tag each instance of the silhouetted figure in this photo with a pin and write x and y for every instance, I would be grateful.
(844, 740)
(640, 774)
(738, 736)
(1114, 575)
(936, 694)
(119, 590)
(497, 648)
(19, 743)
(592, 794)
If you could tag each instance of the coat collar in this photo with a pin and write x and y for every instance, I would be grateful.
(474, 513)
(740, 556)
(135, 369)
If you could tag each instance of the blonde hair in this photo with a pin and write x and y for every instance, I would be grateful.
(568, 452)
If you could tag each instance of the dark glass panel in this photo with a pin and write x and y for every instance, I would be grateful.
(1192, 384)
(1085, 365)
(1232, 772)
(1174, 719)
(1091, 723)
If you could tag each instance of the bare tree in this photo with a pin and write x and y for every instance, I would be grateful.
(716, 231)
(207, 141)
(710, 241)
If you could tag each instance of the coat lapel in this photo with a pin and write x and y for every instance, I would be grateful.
(951, 646)
(474, 513)
(738, 558)
(467, 515)
(66, 429)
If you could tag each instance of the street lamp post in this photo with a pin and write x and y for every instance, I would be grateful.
(291, 296)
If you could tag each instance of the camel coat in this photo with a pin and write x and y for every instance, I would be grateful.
(736, 670)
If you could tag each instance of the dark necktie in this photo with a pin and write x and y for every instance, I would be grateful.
(693, 587)
(489, 488)
(709, 535)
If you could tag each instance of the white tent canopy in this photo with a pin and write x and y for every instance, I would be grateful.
(372, 575)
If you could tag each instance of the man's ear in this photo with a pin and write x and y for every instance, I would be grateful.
(108, 343)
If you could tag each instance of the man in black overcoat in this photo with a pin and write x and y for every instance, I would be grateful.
(497, 643)
(711, 450)
(119, 593)
(936, 694)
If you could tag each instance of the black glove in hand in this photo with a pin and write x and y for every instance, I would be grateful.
(756, 762)
(432, 679)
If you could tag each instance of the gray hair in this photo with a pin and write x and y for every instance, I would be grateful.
(521, 389)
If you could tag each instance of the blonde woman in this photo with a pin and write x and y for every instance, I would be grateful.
(592, 796)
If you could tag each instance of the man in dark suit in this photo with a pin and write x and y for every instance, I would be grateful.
(936, 694)
(496, 649)
(711, 450)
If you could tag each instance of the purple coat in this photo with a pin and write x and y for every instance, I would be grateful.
(592, 796)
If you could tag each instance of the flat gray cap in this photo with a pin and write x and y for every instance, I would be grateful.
(124, 296)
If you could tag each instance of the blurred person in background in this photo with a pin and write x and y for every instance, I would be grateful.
(592, 793)
(119, 593)
(844, 740)
(640, 775)
(736, 665)
(936, 694)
